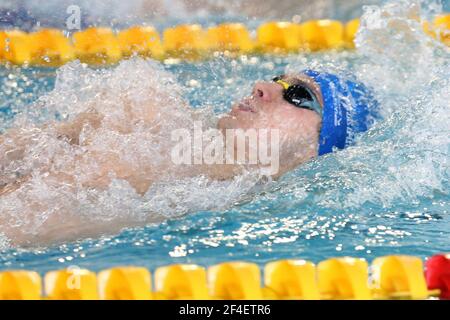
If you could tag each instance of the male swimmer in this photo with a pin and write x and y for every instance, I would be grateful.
(315, 113)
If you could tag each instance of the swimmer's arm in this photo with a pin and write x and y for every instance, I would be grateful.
(71, 130)
(12, 145)
(222, 172)
(15, 141)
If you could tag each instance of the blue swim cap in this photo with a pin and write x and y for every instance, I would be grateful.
(349, 108)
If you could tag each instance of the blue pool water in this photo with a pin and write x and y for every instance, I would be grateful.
(389, 194)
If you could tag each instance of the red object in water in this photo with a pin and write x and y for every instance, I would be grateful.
(437, 274)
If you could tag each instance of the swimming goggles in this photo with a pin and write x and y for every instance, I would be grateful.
(299, 95)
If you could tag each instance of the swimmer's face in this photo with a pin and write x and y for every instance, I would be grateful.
(266, 108)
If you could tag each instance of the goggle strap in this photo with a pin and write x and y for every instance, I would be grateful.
(284, 84)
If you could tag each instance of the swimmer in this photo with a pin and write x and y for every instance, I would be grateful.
(316, 113)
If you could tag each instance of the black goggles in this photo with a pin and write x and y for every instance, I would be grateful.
(299, 95)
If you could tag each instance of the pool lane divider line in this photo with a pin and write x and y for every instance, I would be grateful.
(388, 277)
(188, 42)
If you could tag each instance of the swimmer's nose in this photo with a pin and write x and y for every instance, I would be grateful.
(261, 91)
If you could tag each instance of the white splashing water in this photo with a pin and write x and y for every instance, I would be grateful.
(141, 105)
(411, 73)
(404, 158)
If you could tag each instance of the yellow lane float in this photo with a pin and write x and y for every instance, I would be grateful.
(399, 277)
(351, 28)
(279, 37)
(442, 25)
(323, 34)
(344, 278)
(15, 47)
(185, 42)
(71, 284)
(233, 37)
(125, 283)
(97, 46)
(235, 281)
(49, 47)
(143, 41)
(181, 281)
(20, 285)
(292, 279)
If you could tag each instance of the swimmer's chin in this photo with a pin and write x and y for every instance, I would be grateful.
(226, 122)
(231, 121)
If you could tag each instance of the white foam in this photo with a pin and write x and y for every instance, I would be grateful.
(45, 209)
(403, 158)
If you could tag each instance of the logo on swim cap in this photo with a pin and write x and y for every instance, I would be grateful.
(349, 108)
